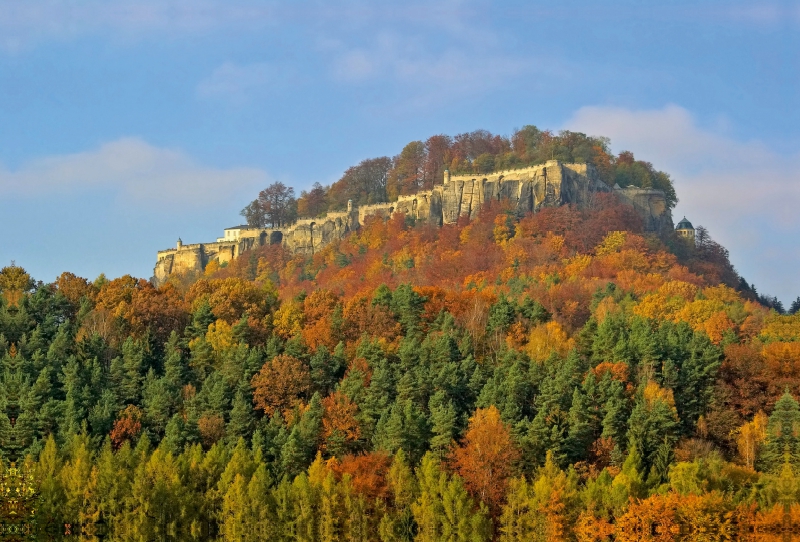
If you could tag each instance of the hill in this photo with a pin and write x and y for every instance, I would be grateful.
(565, 374)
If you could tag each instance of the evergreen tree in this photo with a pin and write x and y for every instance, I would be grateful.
(580, 435)
(783, 436)
(444, 510)
(408, 306)
(174, 435)
(241, 420)
(158, 401)
(303, 440)
(443, 423)
(404, 427)
(652, 422)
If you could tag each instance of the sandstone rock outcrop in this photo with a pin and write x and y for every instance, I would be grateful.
(529, 189)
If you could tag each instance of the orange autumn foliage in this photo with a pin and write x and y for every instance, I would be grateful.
(127, 426)
(339, 418)
(74, 288)
(486, 457)
(367, 472)
(280, 383)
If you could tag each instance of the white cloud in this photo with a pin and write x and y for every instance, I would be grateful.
(136, 171)
(23, 23)
(745, 193)
(432, 75)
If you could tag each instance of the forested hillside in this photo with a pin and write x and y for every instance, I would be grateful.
(559, 376)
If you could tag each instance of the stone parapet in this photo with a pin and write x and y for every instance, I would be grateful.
(527, 189)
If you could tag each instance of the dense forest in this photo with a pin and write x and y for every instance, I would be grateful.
(421, 165)
(557, 376)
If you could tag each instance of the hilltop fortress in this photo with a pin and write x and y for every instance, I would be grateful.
(546, 185)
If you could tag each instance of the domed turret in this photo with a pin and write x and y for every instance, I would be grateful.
(180, 243)
(685, 229)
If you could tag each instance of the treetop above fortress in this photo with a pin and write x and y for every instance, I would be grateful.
(420, 166)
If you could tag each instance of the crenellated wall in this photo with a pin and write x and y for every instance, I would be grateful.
(529, 189)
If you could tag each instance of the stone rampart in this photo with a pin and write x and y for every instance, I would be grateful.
(527, 189)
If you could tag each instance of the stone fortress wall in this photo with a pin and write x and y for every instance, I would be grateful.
(528, 189)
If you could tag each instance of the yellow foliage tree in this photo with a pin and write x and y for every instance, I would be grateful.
(612, 242)
(781, 328)
(750, 436)
(288, 319)
(548, 338)
(220, 336)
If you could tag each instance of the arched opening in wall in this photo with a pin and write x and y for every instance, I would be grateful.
(391, 211)
(263, 238)
(275, 237)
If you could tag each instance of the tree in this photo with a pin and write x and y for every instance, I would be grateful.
(652, 420)
(750, 437)
(340, 428)
(486, 458)
(314, 202)
(211, 428)
(74, 288)
(280, 383)
(408, 174)
(581, 433)
(303, 441)
(363, 184)
(275, 206)
(128, 425)
(783, 436)
(444, 510)
(241, 420)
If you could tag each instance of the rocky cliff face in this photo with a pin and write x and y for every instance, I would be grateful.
(550, 184)
(529, 189)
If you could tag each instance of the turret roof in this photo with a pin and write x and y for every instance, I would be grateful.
(684, 225)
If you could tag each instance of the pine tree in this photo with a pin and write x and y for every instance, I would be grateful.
(444, 510)
(580, 434)
(51, 488)
(242, 419)
(303, 441)
(158, 402)
(262, 520)
(404, 427)
(201, 319)
(408, 305)
(696, 378)
(443, 422)
(629, 483)
(783, 436)
(651, 422)
(174, 364)
(398, 524)
(174, 435)
(615, 410)
(130, 372)
(74, 402)
(103, 413)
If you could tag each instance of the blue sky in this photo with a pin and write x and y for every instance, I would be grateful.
(126, 124)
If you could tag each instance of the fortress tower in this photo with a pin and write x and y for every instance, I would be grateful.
(685, 230)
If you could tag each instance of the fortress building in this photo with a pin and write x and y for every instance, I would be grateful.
(685, 229)
(528, 190)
